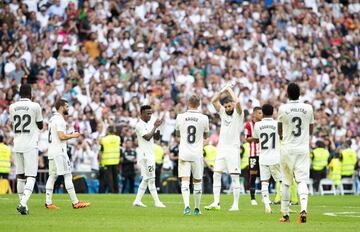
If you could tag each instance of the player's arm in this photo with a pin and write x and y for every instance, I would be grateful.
(215, 100)
(62, 136)
(151, 134)
(206, 128)
(256, 134)
(280, 130)
(235, 99)
(39, 119)
(177, 127)
(248, 136)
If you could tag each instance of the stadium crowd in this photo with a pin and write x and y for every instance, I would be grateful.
(107, 58)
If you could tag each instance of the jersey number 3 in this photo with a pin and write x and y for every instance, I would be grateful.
(297, 131)
(191, 130)
(25, 121)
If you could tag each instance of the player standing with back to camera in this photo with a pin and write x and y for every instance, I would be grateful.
(27, 121)
(265, 133)
(254, 170)
(228, 148)
(146, 133)
(295, 126)
(192, 127)
(59, 162)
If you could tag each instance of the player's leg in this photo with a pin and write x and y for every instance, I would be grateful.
(143, 184)
(286, 164)
(184, 174)
(31, 167)
(276, 174)
(151, 183)
(254, 173)
(301, 172)
(50, 185)
(197, 170)
(20, 174)
(233, 167)
(219, 166)
(265, 175)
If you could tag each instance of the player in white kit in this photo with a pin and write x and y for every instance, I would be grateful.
(266, 135)
(146, 132)
(192, 127)
(27, 121)
(59, 163)
(228, 148)
(295, 128)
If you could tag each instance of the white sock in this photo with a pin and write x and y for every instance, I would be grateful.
(50, 189)
(28, 189)
(235, 181)
(185, 191)
(303, 194)
(217, 187)
(152, 189)
(265, 192)
(20, 187)
(197, 194)
(70, 188)
(285, 199)
(141, 190)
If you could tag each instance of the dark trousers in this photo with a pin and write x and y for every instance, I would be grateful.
(317, 176)
(158, 176)
(109, 179)
(128, 179)
(4, 175)
(208, 180)
(245, 175)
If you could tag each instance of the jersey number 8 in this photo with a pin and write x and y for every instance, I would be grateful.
(191, 134)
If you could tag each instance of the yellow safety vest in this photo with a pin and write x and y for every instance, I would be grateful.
(320, 160)
(348, 162)
(111, 150)
(245, 158)
(5, 158)
(159, 153)
(210, 154)
(335, 170)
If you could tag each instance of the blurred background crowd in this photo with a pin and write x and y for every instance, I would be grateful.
(107, 58)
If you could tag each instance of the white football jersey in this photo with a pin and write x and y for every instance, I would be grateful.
(192, 125)
(24, 115)
(229, 138)
(56, 146)
(145, 147)
(296, 118)
(267, 133)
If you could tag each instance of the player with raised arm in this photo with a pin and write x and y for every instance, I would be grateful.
(59, 162)
(265, 133)
(228, 148)
(146, 133)
(254, 170)
(295, 126)
(27, 121)
(192, 127)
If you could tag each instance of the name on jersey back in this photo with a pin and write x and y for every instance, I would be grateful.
(191, 119)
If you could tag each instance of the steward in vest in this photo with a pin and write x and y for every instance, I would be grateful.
(109, 159)
(5, 159)
(335, 169)
(244, 164)
(319, 161)
(209, 162)
(159, 158)
(348, 161)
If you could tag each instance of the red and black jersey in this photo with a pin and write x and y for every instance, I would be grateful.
(249, 132)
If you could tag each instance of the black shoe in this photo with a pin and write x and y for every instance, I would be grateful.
(302, 217)
(22, 209)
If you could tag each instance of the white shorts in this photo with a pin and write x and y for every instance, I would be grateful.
(294, 165)
(196, 168)
(62, 165)
(147, 168)
(267, 171)
(229, 163)
(27, 163)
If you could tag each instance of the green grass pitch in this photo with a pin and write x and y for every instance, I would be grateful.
(115, 213)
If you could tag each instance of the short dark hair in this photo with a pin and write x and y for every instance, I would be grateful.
(256, 108)
(59, 103)
(194, 100)
(227, 99)
(293, 91)
(145, 107)
(25, 91)
(267, 109)
(1, 138)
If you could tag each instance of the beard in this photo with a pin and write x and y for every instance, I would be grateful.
(230, 112)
